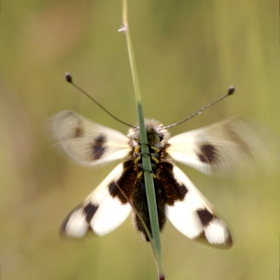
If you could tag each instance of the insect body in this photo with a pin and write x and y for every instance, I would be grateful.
(216, 148)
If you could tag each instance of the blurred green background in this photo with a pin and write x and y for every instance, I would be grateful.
(187, 53)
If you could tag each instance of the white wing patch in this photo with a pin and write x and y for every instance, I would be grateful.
(99, 212)
(87, 142)
(227, 146)
(224, 147)
(193, 216)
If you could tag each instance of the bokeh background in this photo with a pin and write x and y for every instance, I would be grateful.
(187, 53)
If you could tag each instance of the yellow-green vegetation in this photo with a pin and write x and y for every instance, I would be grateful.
(187, 54)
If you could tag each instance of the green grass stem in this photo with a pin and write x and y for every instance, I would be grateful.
(149, 182)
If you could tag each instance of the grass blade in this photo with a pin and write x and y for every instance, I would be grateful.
(149, 182)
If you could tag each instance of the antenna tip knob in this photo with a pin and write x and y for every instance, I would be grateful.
(68, 77)
(231, 90)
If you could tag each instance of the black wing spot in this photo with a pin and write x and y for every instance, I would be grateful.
(205, 216)
(126, 182)
(172, 189)
(98, 148)
(78, 132)
(113, 189)
(89, 211)
(207, 153)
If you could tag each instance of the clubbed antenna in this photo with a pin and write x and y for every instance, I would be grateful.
(69, 79)
(231, 90)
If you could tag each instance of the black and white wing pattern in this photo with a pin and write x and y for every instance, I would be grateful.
(87, 142)
(225, 147)
(193, 215)
(222, 147)
(100, 212)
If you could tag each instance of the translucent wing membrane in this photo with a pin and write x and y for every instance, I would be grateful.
(99, 212)
(194, 218)
(87, 142)
(225, 147)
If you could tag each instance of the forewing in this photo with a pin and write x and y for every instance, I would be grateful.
(194, 218)
(87, 142)
(231, 145)
(99, 212)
